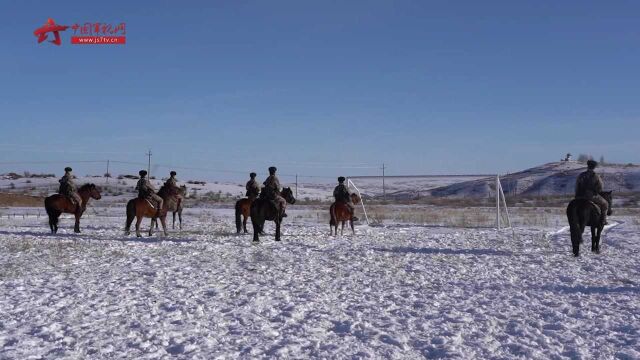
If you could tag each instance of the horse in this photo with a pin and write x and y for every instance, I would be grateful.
(141, 208)
(339, 212)
(179, 205)
(243, 211)
(175, 206)
(57, 204)
(582, 213)
(263, 209)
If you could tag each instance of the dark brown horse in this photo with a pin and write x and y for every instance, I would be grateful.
(582, 213)
(339, 212)
(263, 209)
(243, 211)
(57, 204)
(140, 208)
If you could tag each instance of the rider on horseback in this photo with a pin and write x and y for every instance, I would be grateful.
(171, 182)
(589, 185)
(69, 189)
(147, 191)
(341, 193)
(172, 185)
(253, 188)
(271, 191)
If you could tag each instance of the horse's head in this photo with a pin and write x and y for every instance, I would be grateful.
(355, 199)
(287, 194)
(183, 190)
(608, 195)
(92, 190)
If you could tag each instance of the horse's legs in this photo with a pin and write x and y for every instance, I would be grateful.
(76, 227)
(278, 228)
(593, 238)
(163, 220)
(138, 221)
(256, 229)
(342, 228)
(244, 223)
(173, 226)
(352, 228)
(597, 239)
(180, 218)
(153, 221)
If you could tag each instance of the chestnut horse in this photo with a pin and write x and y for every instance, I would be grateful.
(263, 209)
(140, 208)
(57, 204)
(339, 212)
(243, 211)
(582, 213)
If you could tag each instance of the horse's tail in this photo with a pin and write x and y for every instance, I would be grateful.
(52, 213)
(131, 214)
(573, 217)
(238, 216)
(334, 217)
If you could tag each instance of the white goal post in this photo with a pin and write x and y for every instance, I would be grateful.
(364, 210)
(499, 195)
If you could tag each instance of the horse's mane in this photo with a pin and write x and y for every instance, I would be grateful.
(166, 190)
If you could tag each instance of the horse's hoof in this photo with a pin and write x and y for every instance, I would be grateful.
(576, 254)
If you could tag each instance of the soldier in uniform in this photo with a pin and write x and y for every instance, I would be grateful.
(171, 182)
(147, 191)
(68, 187)
(589, 185)
(341, 193)
(253, 188)
(272, 189)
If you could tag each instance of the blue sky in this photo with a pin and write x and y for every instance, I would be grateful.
(321, 88)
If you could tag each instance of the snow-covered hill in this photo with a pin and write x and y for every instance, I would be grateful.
(557, 178)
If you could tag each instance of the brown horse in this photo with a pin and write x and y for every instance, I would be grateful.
(57, 204)
(140, 208)
(263, 209)
(243, 211)
(177, 206)
(339, 212)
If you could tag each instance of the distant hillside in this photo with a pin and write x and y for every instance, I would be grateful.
(557, 178)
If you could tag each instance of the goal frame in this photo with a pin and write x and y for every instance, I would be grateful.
(499, 195)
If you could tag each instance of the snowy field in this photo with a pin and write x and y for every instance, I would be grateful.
(394, 291)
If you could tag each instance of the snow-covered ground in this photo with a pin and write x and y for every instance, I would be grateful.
(399, 291)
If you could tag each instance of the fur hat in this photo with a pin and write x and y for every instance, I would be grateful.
(252, 175)
(341, 179)
(592, 164)
(143, 172)
(272, 170)
(68, 169)
(173, 173)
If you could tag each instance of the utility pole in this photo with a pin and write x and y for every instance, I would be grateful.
(384, 191)
(296, 186)
(149, 164)
(107, 173)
